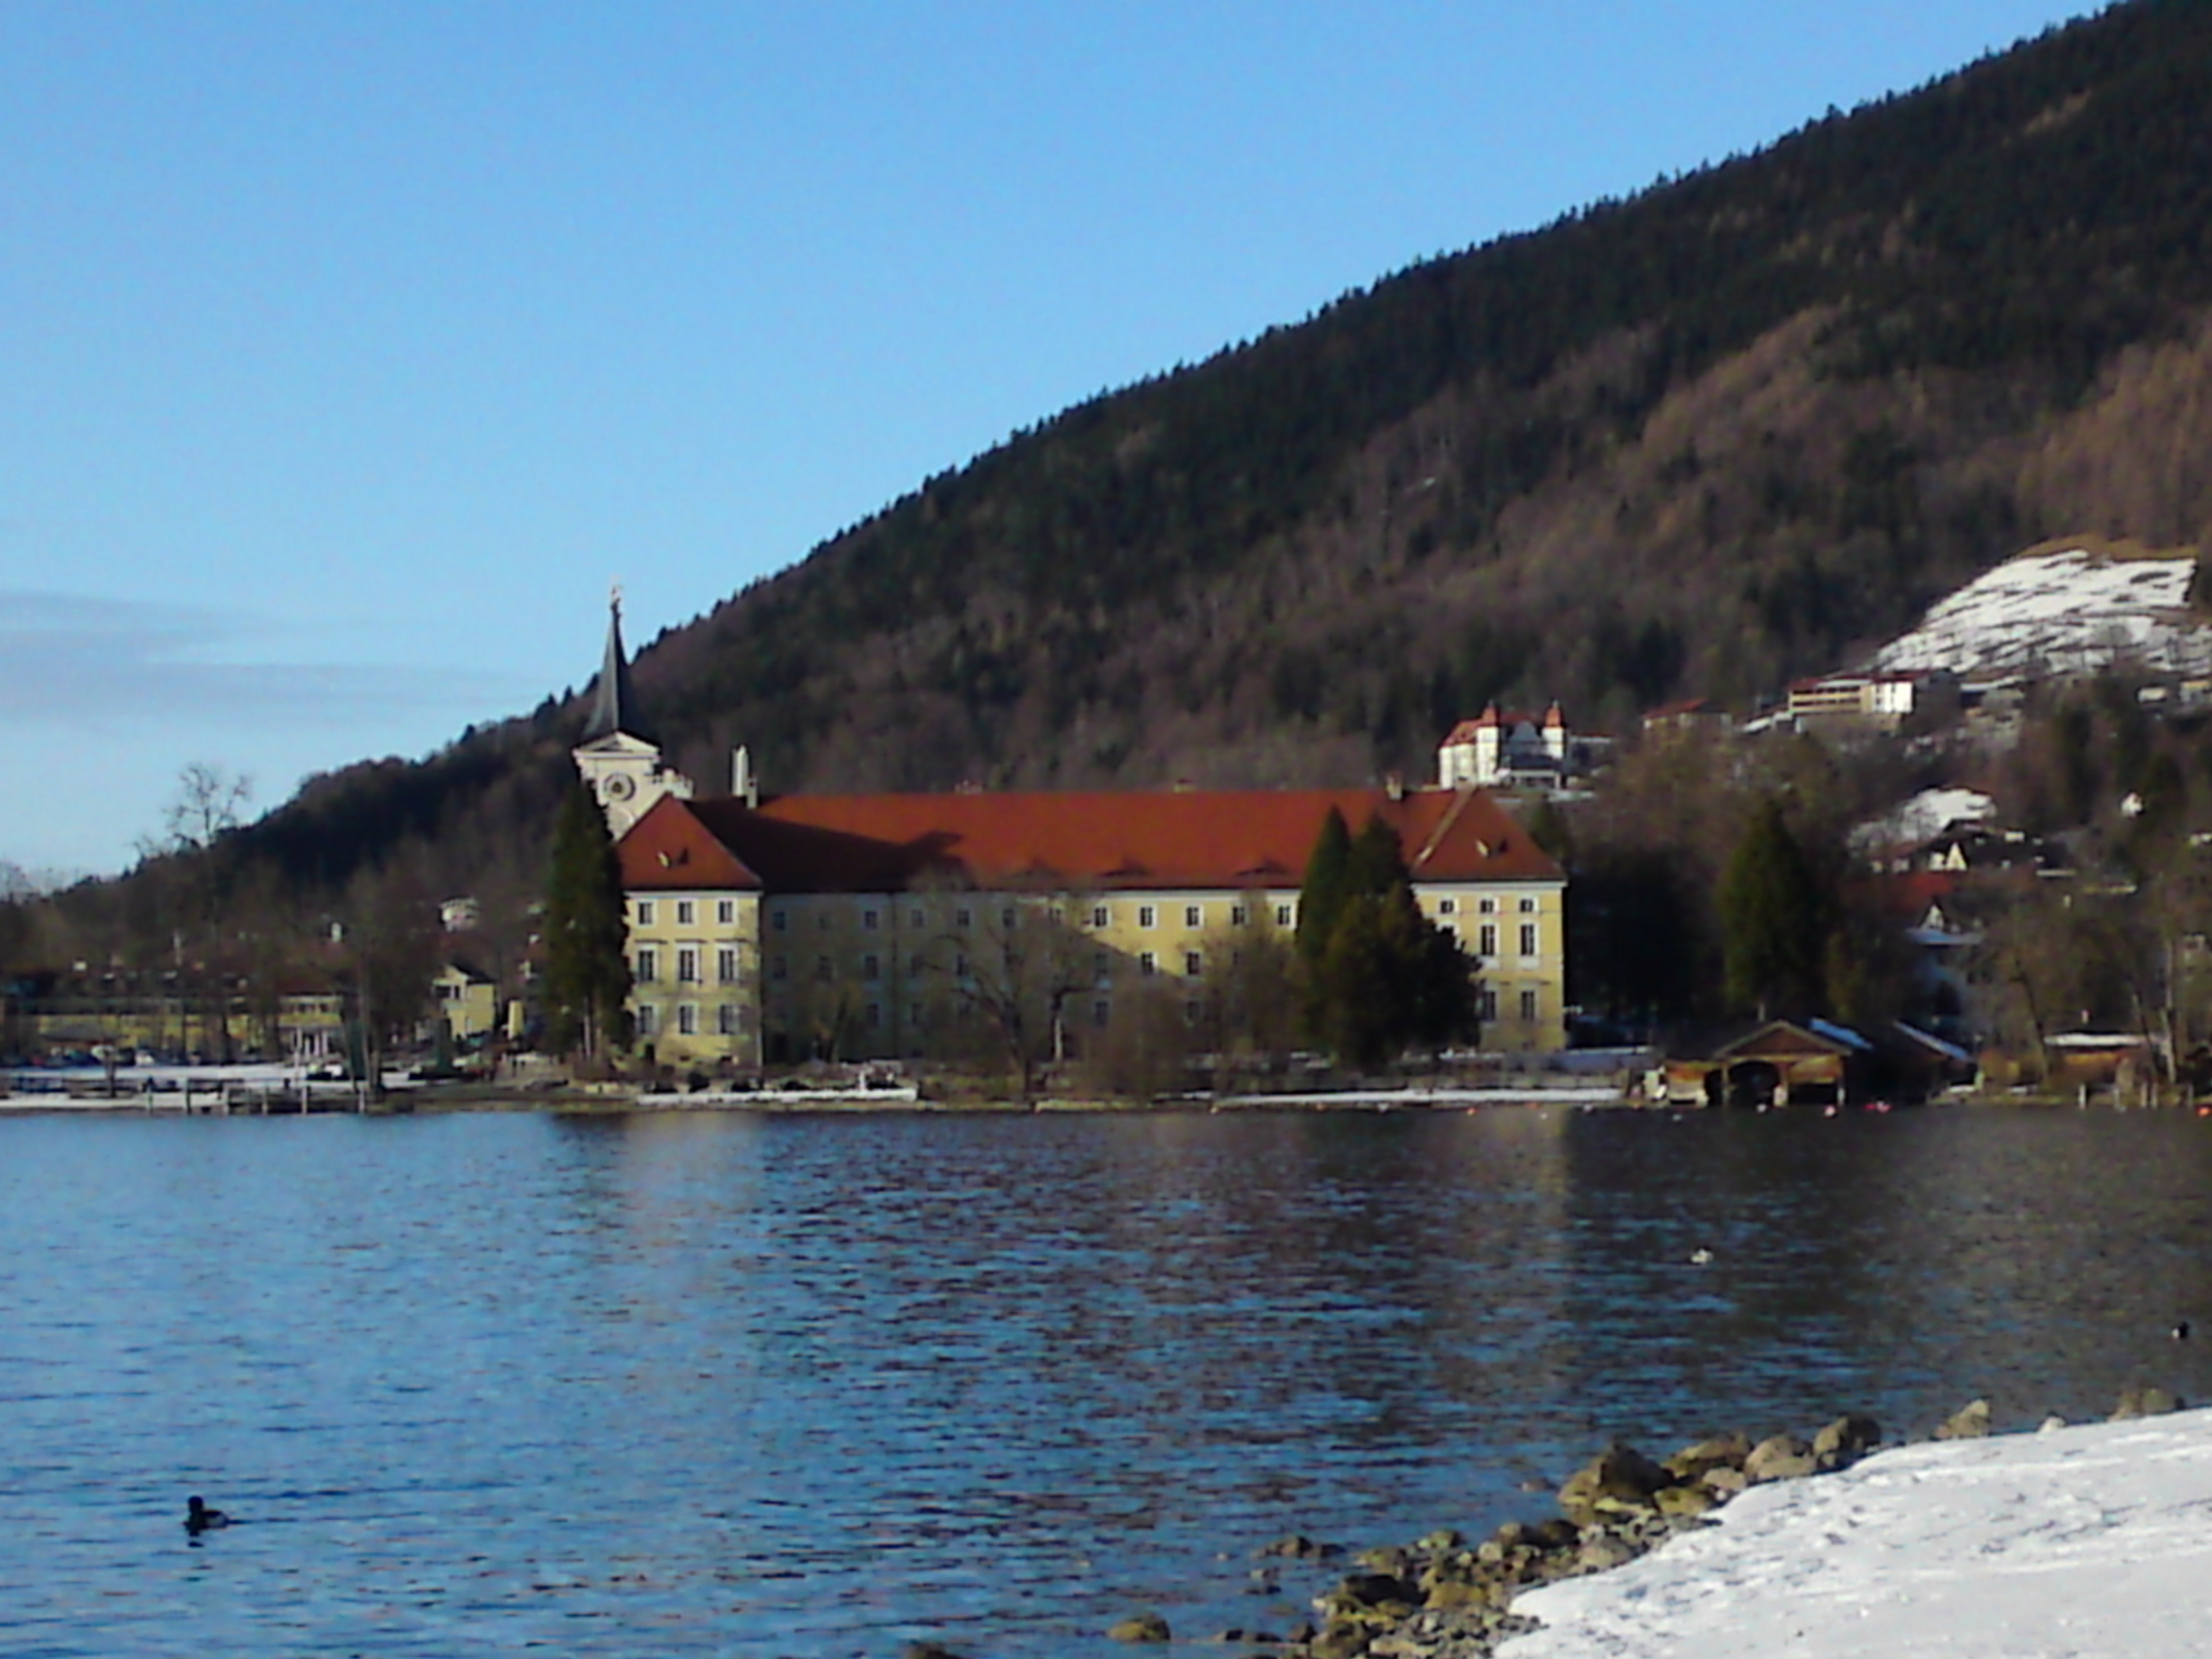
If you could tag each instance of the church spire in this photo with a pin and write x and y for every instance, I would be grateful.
(614, 704)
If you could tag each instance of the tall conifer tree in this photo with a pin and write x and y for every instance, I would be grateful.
(1327, 885)
(586, 963)
(1773, 919)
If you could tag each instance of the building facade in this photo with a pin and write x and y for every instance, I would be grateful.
(763, 930)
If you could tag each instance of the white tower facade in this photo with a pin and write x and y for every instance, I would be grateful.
(619, 760)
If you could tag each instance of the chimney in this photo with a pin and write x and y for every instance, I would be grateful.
(742, 784)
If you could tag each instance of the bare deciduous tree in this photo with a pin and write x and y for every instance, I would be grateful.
(1011, 962)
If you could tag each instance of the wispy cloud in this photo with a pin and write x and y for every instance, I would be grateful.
(70, 660)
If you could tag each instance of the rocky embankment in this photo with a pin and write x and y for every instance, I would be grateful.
(1443, 1597)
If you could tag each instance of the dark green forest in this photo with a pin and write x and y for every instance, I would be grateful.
(1693, 442)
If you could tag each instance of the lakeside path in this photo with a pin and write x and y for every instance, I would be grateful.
(2093, 1540)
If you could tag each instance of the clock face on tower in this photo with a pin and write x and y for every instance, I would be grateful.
(620, 787)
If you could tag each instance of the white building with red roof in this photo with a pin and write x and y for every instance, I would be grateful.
(1501, 751)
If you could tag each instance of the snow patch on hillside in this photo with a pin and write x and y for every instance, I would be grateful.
(2066, 612)
(1927, 814)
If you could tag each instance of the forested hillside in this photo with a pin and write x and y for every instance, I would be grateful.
(1693, 442)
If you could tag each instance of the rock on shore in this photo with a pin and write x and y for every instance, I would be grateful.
(1443, 1597)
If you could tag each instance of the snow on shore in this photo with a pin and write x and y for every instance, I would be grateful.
(2084, 1541)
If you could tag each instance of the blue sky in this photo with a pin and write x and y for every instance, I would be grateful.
(351, 350)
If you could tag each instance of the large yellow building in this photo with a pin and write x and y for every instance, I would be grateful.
(760, 927)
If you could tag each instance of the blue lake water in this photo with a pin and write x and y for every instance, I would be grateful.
(720, 1384)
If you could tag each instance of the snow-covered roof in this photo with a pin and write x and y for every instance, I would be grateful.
(1925, 815)
(1842, 1034)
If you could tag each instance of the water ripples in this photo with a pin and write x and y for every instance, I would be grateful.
(799, 1386)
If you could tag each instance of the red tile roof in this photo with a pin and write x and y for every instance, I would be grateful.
(1490, 720)
(1104, 842)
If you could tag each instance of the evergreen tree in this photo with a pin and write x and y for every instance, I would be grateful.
(1377, 863)
(1327, 885)
(1356, 1005)
(1443, 1010)
(587, 963)
(1773, 919)
(1547, 828)
(1379, 976)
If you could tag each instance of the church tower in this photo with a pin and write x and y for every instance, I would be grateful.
(618, 757)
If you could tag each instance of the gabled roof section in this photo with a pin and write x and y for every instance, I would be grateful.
(670, 849)
(1785, 1036)
(614, 704)
(1101, 842)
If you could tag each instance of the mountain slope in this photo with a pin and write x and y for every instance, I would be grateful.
(1696, 442)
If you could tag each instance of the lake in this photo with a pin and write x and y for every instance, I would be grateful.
(822, 1385)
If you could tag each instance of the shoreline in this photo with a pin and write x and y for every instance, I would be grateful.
(258, 1096)
(209, 1097)
(1442, 1596)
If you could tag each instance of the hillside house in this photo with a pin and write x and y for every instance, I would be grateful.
(1879, 702)
(1691, 718)
(1503, 750)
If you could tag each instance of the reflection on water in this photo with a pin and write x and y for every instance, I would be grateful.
(790, 1385)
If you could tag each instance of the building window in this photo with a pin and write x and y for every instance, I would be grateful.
(1486, 939)
(870, 968)
(687, 1020)
(1193, 964)
(868, 921)
(725, 964)
(917, 919)
(1486, 1004)
(960, 965)
(725, 1019)
(1193, 915)
(779, 969)
(875, 1016)
(1101, 969)
(1446, 907)
(1100, 915)
(1527, 907)
(1283, 914)
(649, 965)
(1192, 1012)
(1006, 919)
(1147, 916)
(686, 913)
(687, 964)
(1147, 964)
(822, 970)
(648, 1019)
(1527, 938)
(645, 912)
(1529, 1006)
(1101, 1010)
(725, 912)
(914, 966)
(779, 919)
(963, 918)
(1488, 906)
